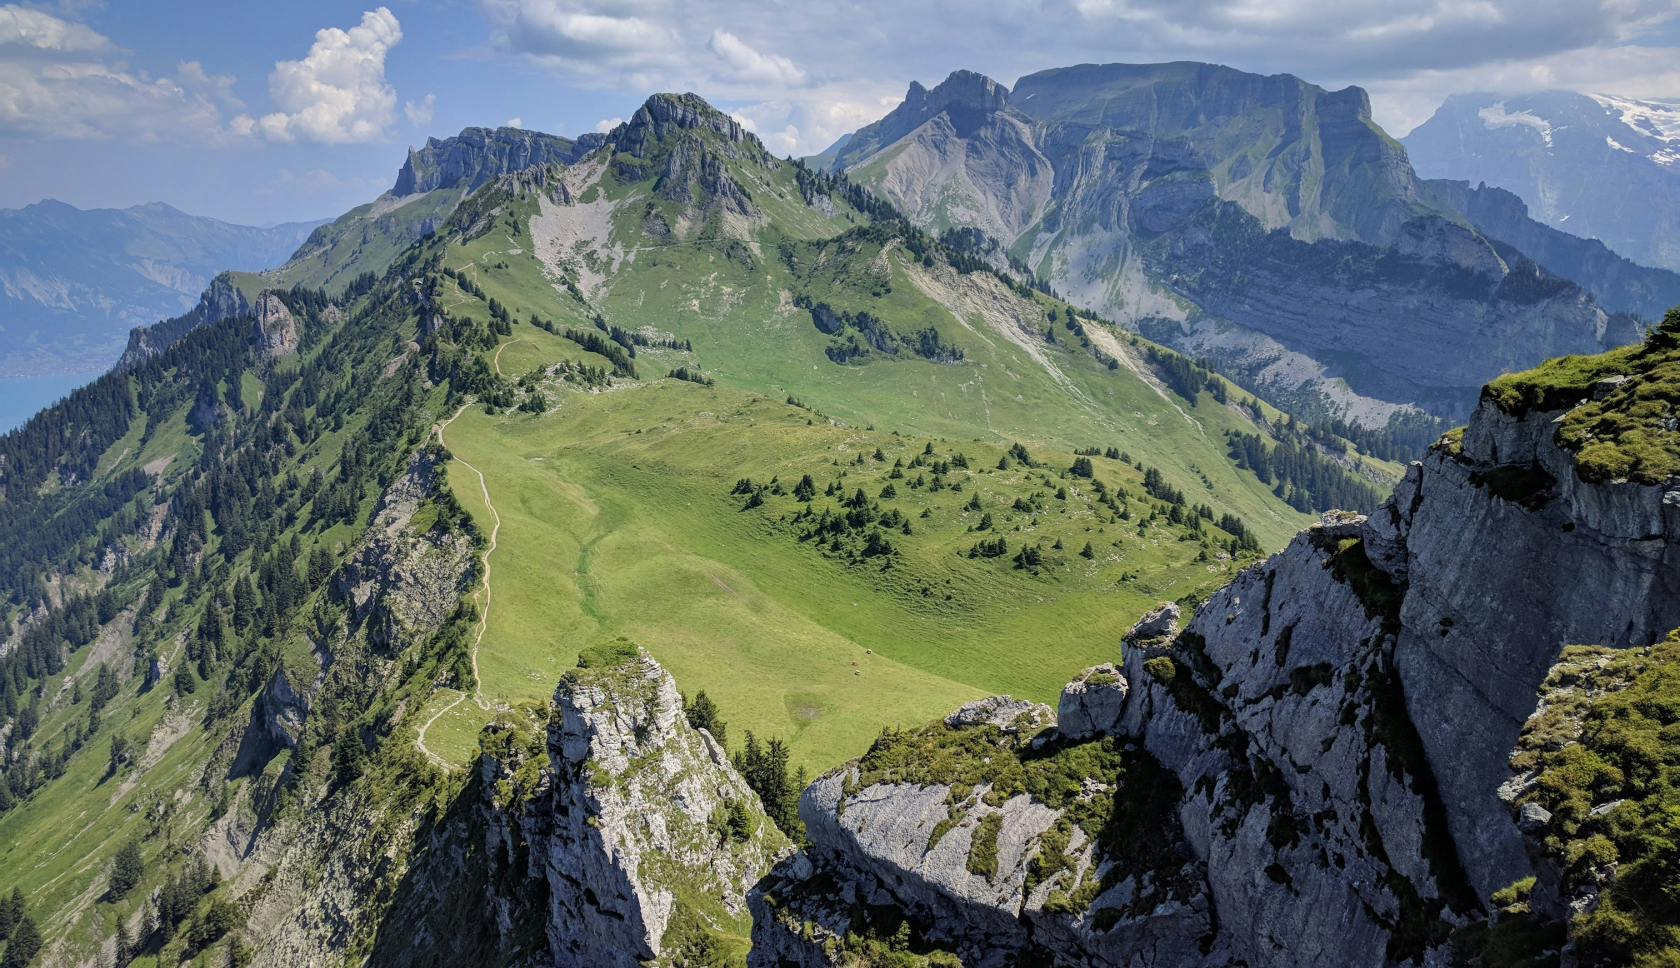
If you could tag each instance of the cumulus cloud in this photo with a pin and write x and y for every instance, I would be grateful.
(337, 94)
(420, 113)
(607, 124)
(748, 64)
(60, 79)
(35, 28)
(806, 78)
(633, 42)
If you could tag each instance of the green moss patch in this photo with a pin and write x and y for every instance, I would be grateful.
(1607, 750)
(983, 849)
(1628, 434)
(608, 655)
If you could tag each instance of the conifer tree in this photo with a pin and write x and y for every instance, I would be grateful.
(703, 713)
(24, 945)
(127, 869)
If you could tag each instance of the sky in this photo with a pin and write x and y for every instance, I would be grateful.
(268, 112)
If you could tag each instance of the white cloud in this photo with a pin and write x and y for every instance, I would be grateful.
(630, 42)
(89, 99)
(750, 65)
(59, 79)
(607, 124)
(337, 94)
(41, 30)
(420, 113)
(514, 123)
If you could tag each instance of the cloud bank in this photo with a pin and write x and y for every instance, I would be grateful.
(60, 79)
(805, 74)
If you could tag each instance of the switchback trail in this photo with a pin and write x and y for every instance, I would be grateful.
(484, 613)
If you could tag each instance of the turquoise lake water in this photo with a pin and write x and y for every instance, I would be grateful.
(24, 396)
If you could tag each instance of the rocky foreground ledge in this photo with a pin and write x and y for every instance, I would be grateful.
(1310, 773)
(643, 836)
(1328, 765)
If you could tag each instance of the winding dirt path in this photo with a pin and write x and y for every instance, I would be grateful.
(484, 613)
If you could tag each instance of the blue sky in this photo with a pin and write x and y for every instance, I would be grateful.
(267, 112)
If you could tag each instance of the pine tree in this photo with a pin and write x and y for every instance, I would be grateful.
(703, 713)
(125, 944)
(25, 944)
(127, 869)
(244, 603)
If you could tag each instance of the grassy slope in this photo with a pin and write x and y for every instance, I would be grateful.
(606, 531)
(359, 241)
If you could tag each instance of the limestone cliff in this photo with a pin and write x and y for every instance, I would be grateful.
(478, 155)
(1262, 222)
(643, 837)
(274, 332)
(224, 299)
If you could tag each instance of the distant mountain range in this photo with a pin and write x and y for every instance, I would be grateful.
(73, 282)
(1262, 222)
(1594, 165)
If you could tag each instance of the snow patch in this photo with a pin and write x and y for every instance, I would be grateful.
(1495, 117)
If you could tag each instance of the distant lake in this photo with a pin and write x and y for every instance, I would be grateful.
(22, 397)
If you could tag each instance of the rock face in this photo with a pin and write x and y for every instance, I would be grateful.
(1332, 730)
(1248, 219)
(404, 581)
(1160, 622)
(222, 300)
(636, 830)
(478, 155)
(684, 142)
(274, 331)
(987, 870)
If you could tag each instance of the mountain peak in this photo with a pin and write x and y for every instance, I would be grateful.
(966, 89)
(662, 113)
(961, 91)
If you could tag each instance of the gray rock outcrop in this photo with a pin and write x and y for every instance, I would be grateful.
(1160, 622)
(989, 872)
(222, 300)
(645, 833)
(1091, 705)
(403, 581)
(478, 155)
(274, 332)
(1005, 712)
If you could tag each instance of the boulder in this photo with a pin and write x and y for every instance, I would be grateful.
(1004, 712)
(1160, 622)
(1092, 703)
